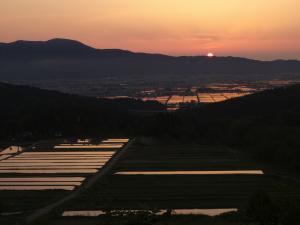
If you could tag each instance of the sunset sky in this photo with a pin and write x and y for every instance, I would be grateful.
(263, 29)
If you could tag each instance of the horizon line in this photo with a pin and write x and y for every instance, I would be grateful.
(153, 52)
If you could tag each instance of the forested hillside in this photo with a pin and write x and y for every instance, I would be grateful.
(266, 124)
(32, 112)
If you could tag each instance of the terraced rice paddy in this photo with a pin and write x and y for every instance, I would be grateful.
(161, 99)
(187, 178)
(100, 146)
(116, 140)
(208, 212)
(11, 150)
(223, 172)
(2, 157)
(8, 152)
(55, 163)
(85, 141)
(58, 162)
(174, 101)
(39, 176)
(188, 99)
(219, 97)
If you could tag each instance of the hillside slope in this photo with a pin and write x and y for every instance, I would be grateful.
(32, 112)
(266, 124)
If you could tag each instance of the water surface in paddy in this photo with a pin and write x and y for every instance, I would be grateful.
(11, 150)
(36, 188)
(49, 164)
(70, 153)
(125, 140)
(102, 146)
(237, 172)
(34, 167)
(57, 160)
(206, 212)
(2, 157)
(36, 183)
(50, 171)
(12, 179)
(64, 157)
(53, 159)
(74, 144)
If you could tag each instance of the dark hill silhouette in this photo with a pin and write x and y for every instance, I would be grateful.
(62, 58)
(266, 124)
(54, 48)
(41, 113)
(268, 102)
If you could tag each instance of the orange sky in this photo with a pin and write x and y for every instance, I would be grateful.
(265, 29)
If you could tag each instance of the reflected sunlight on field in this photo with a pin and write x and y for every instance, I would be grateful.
(19, 169)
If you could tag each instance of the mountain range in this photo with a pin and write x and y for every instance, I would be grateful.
(63, 58)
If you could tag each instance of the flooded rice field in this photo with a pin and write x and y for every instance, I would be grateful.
(37, 164)
(115, 140)
(188, 178)
(11, 160)
(34, 177)
(37, 188)
(49, 171)
(206, 212)
(94, 153)
(174, 102)
(100, 146)
(237, 172)
(34, 170)
(44, 179)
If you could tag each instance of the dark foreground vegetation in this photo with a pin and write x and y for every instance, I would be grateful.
(266, 124)
(27, 112)
(261, 210)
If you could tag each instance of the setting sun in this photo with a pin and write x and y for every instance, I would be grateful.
(210, 54)
(261, 29)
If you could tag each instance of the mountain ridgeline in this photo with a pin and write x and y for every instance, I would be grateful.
(62, 58)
